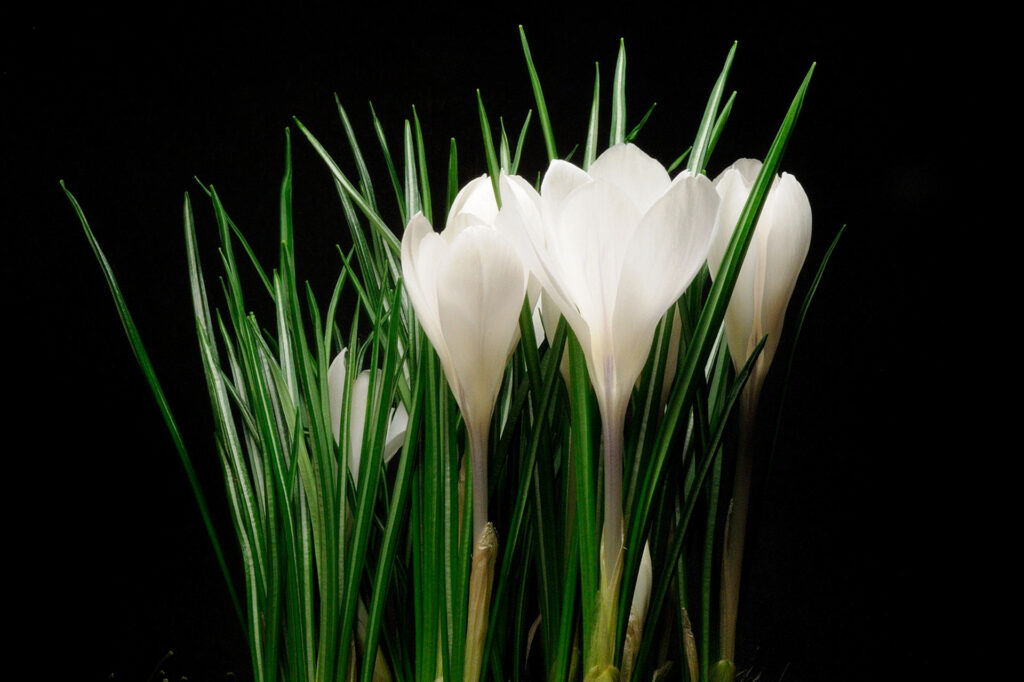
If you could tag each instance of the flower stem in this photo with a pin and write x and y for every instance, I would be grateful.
(613, 426)
(601, 663)
(481, 572)
(478, 464)
(736, 522)
(481, 579)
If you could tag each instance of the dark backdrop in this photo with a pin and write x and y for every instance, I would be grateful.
(113, 565)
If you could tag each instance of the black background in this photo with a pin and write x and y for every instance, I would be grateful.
(113, 564)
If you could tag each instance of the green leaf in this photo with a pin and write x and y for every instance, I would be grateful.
(639, 126)
(702, 145)
(679, 159)
(399, 198)
(504, 152)
(618, 131)
(586, 478)
(548, 533)
(492, 158)
(519, 144)
(720, 125)
(453, 176)
(538, 95)
(375, 220)
(142, 357)
(412, 188)
(421, 155)
(364, 174)
(590, 148)
(801, 316)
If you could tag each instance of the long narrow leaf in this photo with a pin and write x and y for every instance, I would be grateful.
(538, 95)
(142, 357)
(701, 146)
(618, 130)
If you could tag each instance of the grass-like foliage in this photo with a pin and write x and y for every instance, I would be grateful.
(363, 572)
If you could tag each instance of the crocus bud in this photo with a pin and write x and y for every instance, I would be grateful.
(397, 421)
(773, 260)
(467, 287)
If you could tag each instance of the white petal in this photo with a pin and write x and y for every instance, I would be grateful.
(336, 391)
(748, 170)
(595, 227)
(481, 288)
(667, 250)
(562, 178)
(457, 223)
(514, 187)
(357, 422)
(642, 178)
(550, 316)
(740, 315)
(476, 198)
(396, 431)
(521, 222)
(733, 188)
(423, 253)
(642, 591)
(672, 361)
(520, 215)
(787, 218)
(538, 325)
(519, 219)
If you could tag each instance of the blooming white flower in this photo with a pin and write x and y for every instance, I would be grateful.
(467, 286)
(614, 248)
(772, 264)
(397, 423)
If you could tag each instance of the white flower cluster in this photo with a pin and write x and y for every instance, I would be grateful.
(613, 249)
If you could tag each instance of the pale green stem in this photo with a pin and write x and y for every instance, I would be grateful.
(478, 464)
(601, 663)
(481, 572)
(736, 521)
(613, 423)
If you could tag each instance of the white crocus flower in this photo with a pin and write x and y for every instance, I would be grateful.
(773, 261)
(757, 308)
(614, 248)
(397, 422)
(467, 287)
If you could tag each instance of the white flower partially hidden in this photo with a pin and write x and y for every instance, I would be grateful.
(614, 248)
(772, 264)
(397, 422)
(467, 286)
